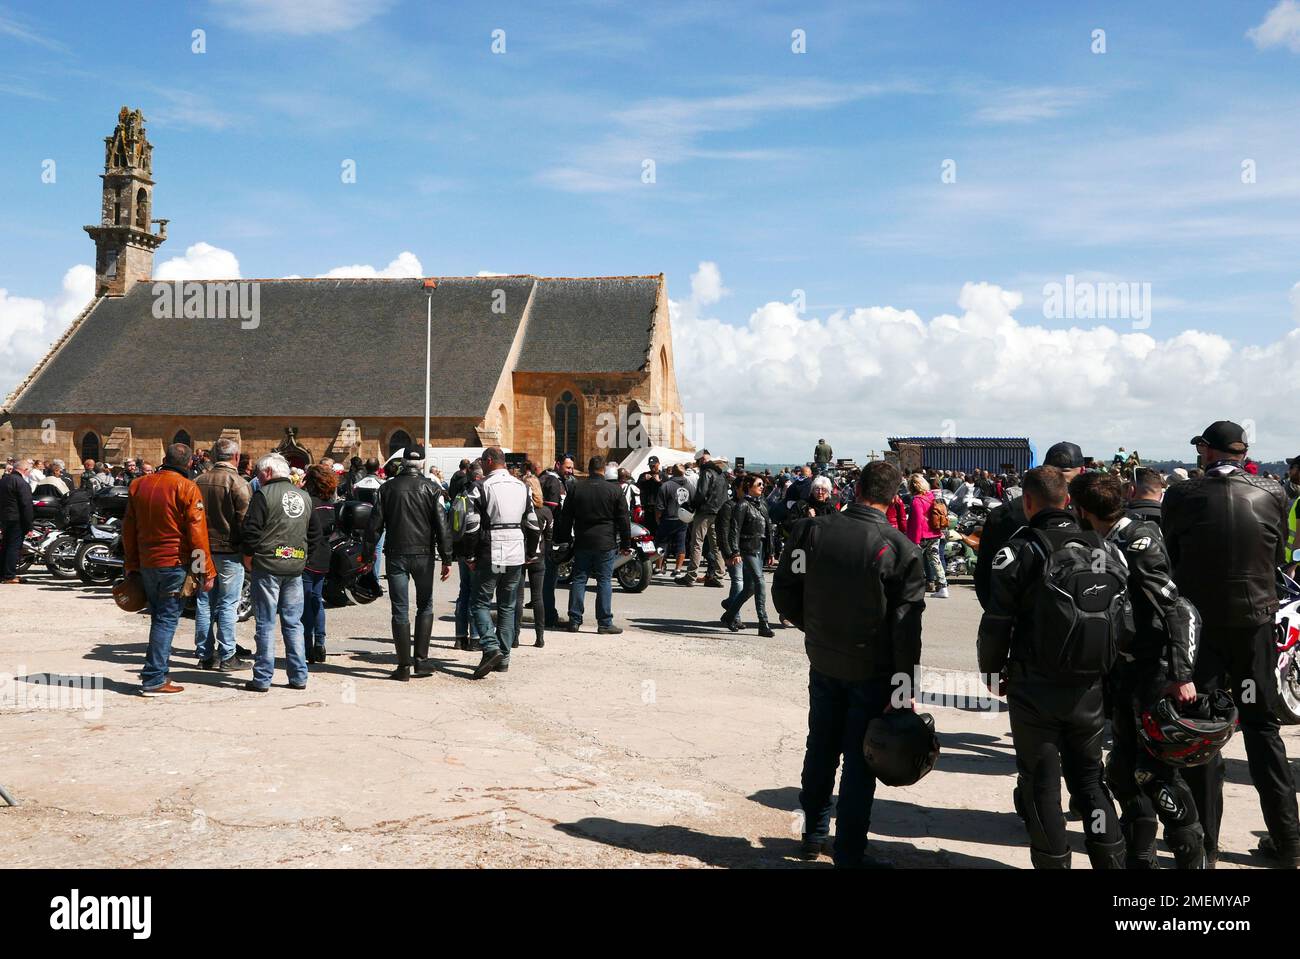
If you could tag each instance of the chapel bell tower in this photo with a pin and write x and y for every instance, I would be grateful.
(124, 241)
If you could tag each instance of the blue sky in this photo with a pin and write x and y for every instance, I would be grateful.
(817, 171)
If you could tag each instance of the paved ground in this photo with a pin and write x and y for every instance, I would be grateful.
(675, 744)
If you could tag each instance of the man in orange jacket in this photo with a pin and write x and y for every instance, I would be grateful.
(164, 536)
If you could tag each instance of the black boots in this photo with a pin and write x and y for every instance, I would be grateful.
(1140, 839)
(765, 630)
(423, 630)
(402, 640)
(1187, 843)
(1045, 860)
(1105, 855)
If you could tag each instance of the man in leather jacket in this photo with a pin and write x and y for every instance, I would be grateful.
(1159, 663)
(856, 587)
(1057, 718)
(1226, 532)
(1003, 522)
(410, 513)
(1146, 491)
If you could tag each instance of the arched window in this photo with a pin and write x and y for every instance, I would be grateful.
(90, 447)
(400, 440)
(142, 210)
(566, 425)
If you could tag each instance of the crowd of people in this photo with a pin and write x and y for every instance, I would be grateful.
(1111, 593)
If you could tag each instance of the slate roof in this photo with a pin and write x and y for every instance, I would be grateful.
(342, 347)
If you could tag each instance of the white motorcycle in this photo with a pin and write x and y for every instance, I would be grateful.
(1286, 636)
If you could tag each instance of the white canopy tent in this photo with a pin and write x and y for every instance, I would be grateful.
(636, 461)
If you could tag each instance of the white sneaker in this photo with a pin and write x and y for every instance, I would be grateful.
(941, 592)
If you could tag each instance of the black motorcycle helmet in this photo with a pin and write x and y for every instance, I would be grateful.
(1191, 734)
(901, 747)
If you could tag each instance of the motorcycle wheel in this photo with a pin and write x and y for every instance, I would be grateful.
(244, 609)
(24, 562)
(634, 576)
(61, 557)
(1290, 690)
(361, 597)
(90, 573)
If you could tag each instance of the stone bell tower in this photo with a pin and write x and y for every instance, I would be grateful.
(124, 241)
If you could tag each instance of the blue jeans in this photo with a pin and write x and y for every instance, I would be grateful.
(163, 589)
(465, 624)
(280, 595)
(504, 586)
(313, 608)
(402, 572)
(751, 568)
(838, 713)
(585, 563)
(737, 574)
(224, 598)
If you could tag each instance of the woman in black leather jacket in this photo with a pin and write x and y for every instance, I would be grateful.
(535, 568)
(747, 538)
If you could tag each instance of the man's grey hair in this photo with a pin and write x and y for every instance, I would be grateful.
(224, 450)
(277, 464)
(59, 463)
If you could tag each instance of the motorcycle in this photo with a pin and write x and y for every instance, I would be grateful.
(99, 559)
(633, 570)
(1286, 637)
(34, 544)
(962, 545)
(351, 578)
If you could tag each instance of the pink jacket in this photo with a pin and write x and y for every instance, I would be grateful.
(918, 518)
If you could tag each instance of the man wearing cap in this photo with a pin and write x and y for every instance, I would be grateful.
(411, 518)
(1003, 522)
(1226, 534)
(711, 491)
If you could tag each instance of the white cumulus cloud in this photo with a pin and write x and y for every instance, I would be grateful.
(768, 388)
(202, 261)
(29, 326)
(407, 265)
(1281, 28)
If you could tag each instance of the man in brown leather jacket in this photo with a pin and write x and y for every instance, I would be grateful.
(1225, 532)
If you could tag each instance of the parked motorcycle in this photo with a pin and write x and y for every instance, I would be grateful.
(633, 570)
(99, 559)
(351, 578)
(1286, 671)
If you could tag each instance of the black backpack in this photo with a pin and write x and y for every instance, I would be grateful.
(1080, 609)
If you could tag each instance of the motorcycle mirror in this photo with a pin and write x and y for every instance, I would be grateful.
(1295, 555)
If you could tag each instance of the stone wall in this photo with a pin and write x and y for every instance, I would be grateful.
(60, 436)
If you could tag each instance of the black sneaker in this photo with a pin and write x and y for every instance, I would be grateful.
(735, 626)
(501, 667)
(234, 664)
(765, 631)
(487, 664)
(241, 651)
(402, 674)
(252, 687)
(297, 685)
(609, 630)
(212, 663)
(423, 668)
(573, 627)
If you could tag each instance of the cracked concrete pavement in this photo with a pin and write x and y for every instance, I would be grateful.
(676, 744)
